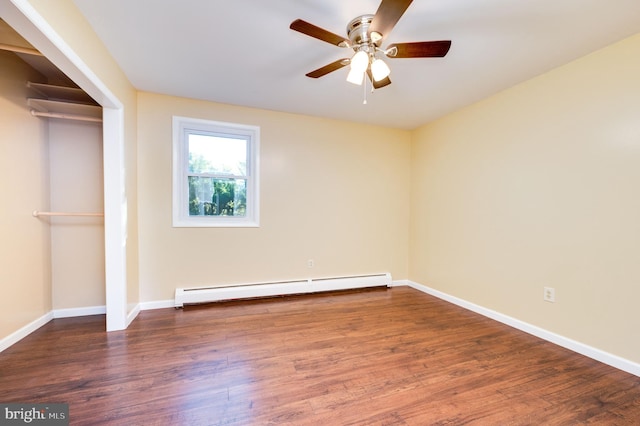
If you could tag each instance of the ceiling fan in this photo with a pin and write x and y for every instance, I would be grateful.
(365, 35)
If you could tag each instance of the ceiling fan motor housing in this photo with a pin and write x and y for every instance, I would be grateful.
(358, 31)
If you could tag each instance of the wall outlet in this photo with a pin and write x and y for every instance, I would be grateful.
(549, 294)
(310, 263)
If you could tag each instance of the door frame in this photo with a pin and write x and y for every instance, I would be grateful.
(24, 18)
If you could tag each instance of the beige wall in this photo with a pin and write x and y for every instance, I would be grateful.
(539, 186)
(25, 277)
(331, 191)
(77, 243)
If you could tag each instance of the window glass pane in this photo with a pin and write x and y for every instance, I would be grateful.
(217, 197)
(217, 155)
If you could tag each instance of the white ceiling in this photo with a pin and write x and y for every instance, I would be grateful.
(242, 52)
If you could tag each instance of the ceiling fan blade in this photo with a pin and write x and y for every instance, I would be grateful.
(388, 14)
(378, 84)
(328, 68)
(420, 49)
(320, 33)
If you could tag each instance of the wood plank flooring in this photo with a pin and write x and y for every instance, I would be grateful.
(376, 357)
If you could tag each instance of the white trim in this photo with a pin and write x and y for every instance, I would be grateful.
(158, 304)
(79, 312)
(401, 283)
(115, 219)
(581, 348)
(23, 332)
(133, 313)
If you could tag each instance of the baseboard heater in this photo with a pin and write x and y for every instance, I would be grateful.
(280, 288)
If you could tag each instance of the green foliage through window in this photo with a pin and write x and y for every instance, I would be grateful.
(217, 197)
(217, 169)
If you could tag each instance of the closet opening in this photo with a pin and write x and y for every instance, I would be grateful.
(85, 210)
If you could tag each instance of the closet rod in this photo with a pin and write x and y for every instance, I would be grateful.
(67, 116)
(36, 213)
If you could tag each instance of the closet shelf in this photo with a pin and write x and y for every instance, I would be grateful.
(69, 110)
(62, 93)
(71, 103)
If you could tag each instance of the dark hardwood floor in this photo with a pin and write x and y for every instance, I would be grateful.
(376, 357)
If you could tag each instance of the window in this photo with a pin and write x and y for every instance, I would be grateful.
(215, 174)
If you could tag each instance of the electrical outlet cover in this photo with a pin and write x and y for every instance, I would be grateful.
(549, 294)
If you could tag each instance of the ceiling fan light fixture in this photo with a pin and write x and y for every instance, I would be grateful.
(365, 35)
(379, 70)
(355, 77)
(360, 61)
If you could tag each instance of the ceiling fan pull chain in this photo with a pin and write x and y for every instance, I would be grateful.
(364, 88)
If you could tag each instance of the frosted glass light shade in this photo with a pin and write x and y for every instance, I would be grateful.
(360, 61)
(355, 77)
(379, 70)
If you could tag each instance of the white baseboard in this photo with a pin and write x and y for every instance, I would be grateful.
(133, 313)
(586, 350)
(56, 313)
(159, 304)
(25, 331)
(79, 312)
(400, 283)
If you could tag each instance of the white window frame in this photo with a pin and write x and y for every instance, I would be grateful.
(183, 126)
